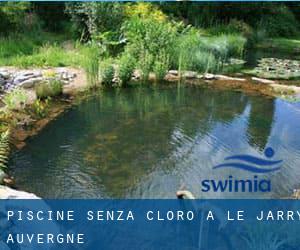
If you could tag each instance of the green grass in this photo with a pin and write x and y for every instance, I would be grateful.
(282, 44)
(52, 56)
(35, 49)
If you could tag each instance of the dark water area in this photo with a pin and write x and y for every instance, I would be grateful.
(144, 142)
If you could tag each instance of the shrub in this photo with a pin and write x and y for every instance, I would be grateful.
(234, 26)
(12, 16)
(279, 22)
(150, 35)
(16, 99)
(126, 68)
(107, 72)
(96, 17)
(145, 10)
(49, 88)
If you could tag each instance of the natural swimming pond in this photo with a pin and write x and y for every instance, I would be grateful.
(147, 142)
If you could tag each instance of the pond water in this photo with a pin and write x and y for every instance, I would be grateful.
(148, 142)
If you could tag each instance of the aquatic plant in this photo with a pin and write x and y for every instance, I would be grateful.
(4, 148)
(206, 53)
(90, 63)
(16, 99)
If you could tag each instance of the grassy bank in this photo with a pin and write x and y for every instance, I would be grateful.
(287, 45)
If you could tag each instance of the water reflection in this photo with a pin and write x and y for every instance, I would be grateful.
(260, 121)
(147, 142)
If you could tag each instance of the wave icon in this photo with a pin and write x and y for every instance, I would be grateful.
(252, 163)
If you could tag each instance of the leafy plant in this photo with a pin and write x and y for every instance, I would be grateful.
(4, 148)
(16, 99)
(107, 72)
(40, 107)
(49, 88)
(126, 68)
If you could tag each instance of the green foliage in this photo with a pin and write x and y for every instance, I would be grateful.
(145, 64)
(47, 56)
(107, 72)
(150, 35)
(14, 16)
(90, 18)
(161, 65)
(126, 68)
(184, 47)
(4, 148)
(35, 49)
(280, 23)
(16, 99)
(49, 88)
(41, 107)
(234, 26)
(90, 63)
(203, 53)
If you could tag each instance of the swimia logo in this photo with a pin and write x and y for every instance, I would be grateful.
(246, 163)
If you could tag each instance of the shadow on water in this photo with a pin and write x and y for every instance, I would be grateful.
(146, 142)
